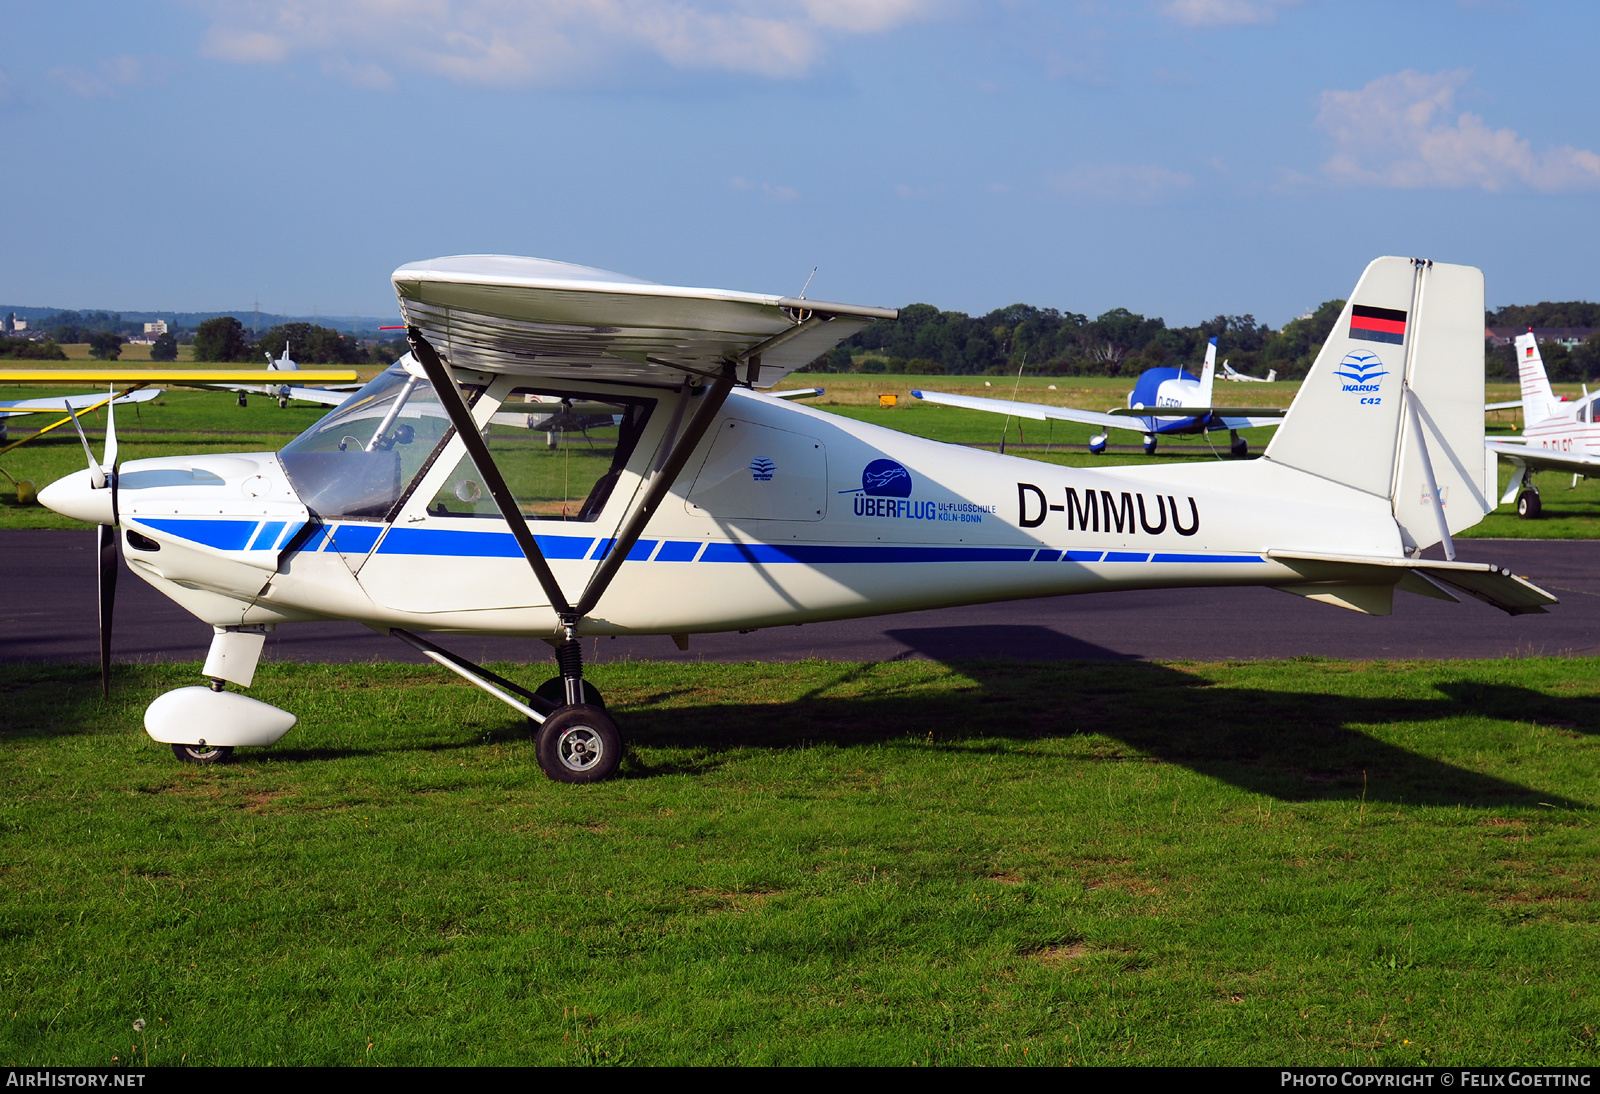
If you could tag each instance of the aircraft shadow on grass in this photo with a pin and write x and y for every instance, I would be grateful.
(1032, 684)
(1293, 746)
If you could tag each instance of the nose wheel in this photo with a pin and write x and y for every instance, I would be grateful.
(203, 754)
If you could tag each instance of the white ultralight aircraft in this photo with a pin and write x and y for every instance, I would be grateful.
(1556, 435)
(1184, 402)
(711, 506)
(1231, 373)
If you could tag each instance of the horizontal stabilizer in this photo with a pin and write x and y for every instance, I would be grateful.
(1481, 580)
(1510, 404)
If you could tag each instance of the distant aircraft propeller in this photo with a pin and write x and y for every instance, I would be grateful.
(103, 475)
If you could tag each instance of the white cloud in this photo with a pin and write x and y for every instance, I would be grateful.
(1223, 13)
(110, 78)
(1402, 131)
(512, 43)
(767, 189)
(1121, 184)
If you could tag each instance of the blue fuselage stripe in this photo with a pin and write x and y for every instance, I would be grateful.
(239, 535)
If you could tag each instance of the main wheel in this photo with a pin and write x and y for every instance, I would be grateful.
(203, 754)
(578, 744)
(1528, 505)
(1149, 444)
(554, 692)
(1097, 443)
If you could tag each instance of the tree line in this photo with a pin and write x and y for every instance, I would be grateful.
(226, 339)
(1048, 342)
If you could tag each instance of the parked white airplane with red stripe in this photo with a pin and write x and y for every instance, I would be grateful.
(1556, 435)
(709, 505)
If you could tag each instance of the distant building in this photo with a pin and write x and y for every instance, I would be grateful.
(11, 324)
(1570, 337)
(156, 329)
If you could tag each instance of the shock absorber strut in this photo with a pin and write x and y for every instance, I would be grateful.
(569, 659)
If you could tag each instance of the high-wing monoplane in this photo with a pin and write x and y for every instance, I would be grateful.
(1556, 435)
(1231, 373)
(1182, 399)
(707, 505)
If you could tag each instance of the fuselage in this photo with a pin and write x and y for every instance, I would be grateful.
(783, 515)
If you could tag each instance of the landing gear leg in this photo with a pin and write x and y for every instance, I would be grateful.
(1237, 445)
(579, 743)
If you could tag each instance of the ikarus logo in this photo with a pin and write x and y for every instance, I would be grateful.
(1361, 373)
(886, 489)
(762, 469)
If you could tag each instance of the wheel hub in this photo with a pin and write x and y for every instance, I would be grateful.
(581, 748)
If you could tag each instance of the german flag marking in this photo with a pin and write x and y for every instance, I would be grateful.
(1377, 324)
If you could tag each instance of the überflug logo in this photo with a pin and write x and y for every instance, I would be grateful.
(886, 492)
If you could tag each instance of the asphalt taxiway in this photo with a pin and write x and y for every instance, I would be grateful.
(49, 614)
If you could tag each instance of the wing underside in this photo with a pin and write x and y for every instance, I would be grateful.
(497, 313)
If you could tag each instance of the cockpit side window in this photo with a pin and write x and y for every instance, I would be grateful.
(354, 462)
(561, 454)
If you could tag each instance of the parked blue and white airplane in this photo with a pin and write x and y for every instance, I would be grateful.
(712, 506)
(1182, 399)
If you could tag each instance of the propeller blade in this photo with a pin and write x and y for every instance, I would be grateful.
(97, 477)
(108, 562)
(109, 461)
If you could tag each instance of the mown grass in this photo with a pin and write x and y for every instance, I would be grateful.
(913, 862)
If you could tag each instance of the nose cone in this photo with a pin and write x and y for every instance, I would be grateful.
(76, 497)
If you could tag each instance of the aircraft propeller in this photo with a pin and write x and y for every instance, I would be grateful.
(103, 475)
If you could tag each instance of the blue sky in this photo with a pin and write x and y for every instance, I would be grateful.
(1178, 157)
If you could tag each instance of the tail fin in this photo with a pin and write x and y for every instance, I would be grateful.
(1411, 337)
(1272, 374)
(1208, 374)
(1538, 401)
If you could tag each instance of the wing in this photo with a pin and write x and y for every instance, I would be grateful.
(800, 393)
(1512, 404)
(185, 377)
(1544, 459)
(1036, 411)
(324, 396)
(530, 316)
(77, 402)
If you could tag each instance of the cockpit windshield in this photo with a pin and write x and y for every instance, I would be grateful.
(355, 462)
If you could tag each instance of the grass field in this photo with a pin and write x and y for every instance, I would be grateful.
(1273, 863)
(187, 422)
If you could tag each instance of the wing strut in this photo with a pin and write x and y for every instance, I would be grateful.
(660, 483)
(450, 397)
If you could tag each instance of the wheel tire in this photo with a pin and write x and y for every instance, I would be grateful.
(578, 744)
(1149, 444)
(1529, 506)
(554, 692)
(203, 754)
(1240, 450)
